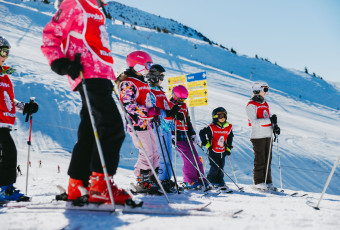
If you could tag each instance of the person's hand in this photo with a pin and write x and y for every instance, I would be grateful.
(276, 129)
(273, 119)
(30, 108)
(154, 111)
(179, 116)
(195, 139)
(174, 110)
(64, 66)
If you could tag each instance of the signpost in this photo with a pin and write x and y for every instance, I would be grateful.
(197, 87)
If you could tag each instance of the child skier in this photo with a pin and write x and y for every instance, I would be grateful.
(163, 124)
(135, 97)
(184, 137)
(217, 138)
(75, 41)
(263, 125)
(8, 151)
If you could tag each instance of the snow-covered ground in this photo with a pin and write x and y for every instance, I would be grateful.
(306, 108)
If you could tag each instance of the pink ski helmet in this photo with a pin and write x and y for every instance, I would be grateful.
(139, 57)
(180, 93)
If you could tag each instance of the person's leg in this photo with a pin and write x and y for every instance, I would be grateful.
(8, 158)
(259, 147)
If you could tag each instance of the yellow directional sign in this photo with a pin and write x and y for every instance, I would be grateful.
(198, 93)
(198, 102)
(197, 85)
(180, 80)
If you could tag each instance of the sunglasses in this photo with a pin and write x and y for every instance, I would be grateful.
(4, 52)
(221, 115)
(148, 65)
(265, 89)
(161, 77)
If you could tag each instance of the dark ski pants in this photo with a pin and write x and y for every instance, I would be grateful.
(261, 149)
(85, 157)
(215, 174)
(8, 158)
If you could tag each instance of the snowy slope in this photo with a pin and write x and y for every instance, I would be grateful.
(309, 142)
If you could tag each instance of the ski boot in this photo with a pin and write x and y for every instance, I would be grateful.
(261, 187)
(271, 187)
(99, 193)
(145, 184)
(9, 193)
(193, 185)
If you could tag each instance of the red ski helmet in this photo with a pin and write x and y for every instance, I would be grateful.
(139, 57)
(180, 93)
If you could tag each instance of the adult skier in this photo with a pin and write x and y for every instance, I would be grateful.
(76, 41)
(217, 137)
(185, 138)
(164, 123)
(8, 105)
(135, 95)
(263, 126)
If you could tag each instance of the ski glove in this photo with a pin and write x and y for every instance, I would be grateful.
(154, 111)
(273, 119)
(30, 108)
(64, 66)
(173, 139)
(174, 110)
(276, 129)
(180, 116)
(195, 139)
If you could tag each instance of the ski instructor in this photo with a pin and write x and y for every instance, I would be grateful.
(76, 41)
(263, 126)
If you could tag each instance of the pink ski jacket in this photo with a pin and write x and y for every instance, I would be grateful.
(79, 27)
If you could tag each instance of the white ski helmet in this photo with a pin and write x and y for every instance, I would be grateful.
(4, 42)
(260, 86)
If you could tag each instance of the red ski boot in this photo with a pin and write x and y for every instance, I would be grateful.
(76, 189)
(99, 193)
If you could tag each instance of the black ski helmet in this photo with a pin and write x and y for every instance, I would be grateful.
(218, 110)
(4, 43)
(155, 73)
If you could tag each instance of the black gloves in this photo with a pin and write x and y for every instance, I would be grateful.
(273, 119)
(30, 108)
(276, 129)
(174, 110)
(180, 116)
(64, 66)
(204, 143)
(227, 152)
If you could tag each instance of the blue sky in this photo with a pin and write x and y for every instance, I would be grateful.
(293, 33)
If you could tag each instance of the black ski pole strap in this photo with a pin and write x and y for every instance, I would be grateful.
(275, 137)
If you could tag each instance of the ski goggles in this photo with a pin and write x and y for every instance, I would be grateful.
(220, 115)
(161, 77)
(4, 52)
(265, 89)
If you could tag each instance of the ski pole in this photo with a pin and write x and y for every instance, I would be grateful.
(193, 154)
(29, 143)
(175, 122)
(160, 144)
(220, 168)
(172, 169)
(95, 132)
(140, 144)
(179, 150)
(270, 148)
(327, 183)
(278, 154)
(232, 168)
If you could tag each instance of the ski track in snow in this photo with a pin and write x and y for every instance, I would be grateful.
(309, 142)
